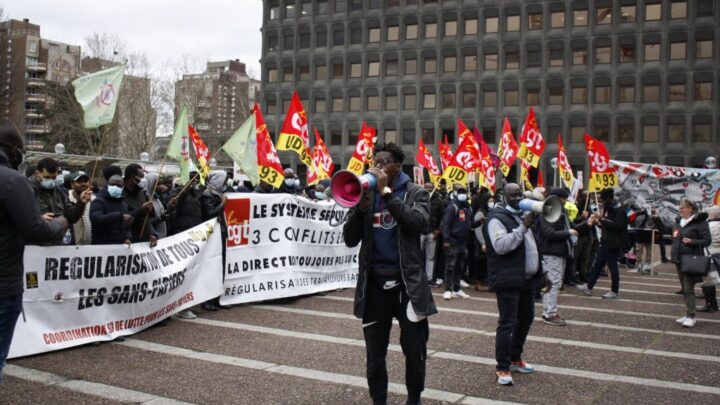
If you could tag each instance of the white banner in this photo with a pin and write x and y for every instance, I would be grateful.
(280, 245)
(76, 295)
(661, 187)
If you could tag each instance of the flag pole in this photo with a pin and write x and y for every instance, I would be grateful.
(173, 200)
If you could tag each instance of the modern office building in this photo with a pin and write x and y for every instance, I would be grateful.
(643, 76)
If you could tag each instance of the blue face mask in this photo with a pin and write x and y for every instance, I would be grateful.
(320, 195)
(48, 184)
(115, 191)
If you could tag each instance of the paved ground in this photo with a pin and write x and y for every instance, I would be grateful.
(310, 351)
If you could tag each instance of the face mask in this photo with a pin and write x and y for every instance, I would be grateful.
(142, 183)
(229, 183)
(47, 184)
(462, 197)
(115, 191)
(59, 181)
(320, 195)
(289, 182)
(491, 205)
(297, 183)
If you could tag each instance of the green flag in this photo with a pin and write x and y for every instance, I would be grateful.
(98, 93)
(179, 147)
(242, 148)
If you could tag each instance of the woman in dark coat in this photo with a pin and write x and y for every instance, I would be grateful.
(691, 235)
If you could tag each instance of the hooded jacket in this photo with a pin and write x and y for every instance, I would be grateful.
(106, 217)
(411, 215)
(20, 223)
(614, 224)
(56, 201)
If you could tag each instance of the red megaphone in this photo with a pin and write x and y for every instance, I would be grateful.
(347, 188)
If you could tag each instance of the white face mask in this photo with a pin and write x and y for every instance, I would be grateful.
(143, 183)
(462, 197)
(491, 205)
(289, 182)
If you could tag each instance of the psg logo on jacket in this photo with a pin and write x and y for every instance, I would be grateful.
(383, 220)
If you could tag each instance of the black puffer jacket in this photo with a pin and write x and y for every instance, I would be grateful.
(187, 212)
(412, 217)
(699, 233)
(614, 224)
(106, 217)
(20, 223)
(556, 236)
(435, 212)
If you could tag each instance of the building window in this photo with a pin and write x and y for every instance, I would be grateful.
(512, 98)
(627, 14)
(556, 96)
(410, 66)
(356, 5)
(651, 133)
(304, 73)
(448, 99)
(626, 133)
(626, 94)
(450, 28)
(408, 136)
(703, 91)
(678, 50)
(338, 37)
(678, 9)
(490, 98)
(272, 75)
(702, 132)
(290, 10)
(409, 102)
(603, 55)
(273, 43)
(577, 134)
(288, 74)
(652, 52)
(535, 21)
(579, 95)
(411, 31)
(374, 4)
(373, 69)
(491, 25)
(601, 132)
(469, 63)
(391, 102)
(449, 64)
(557, 57)
(533, 97)
(491, 61)
(704, 8)
(355, 36)
(471, 26)
(512, 23)
(336, 138)
(374, 35)
(304, 40)
(580, 57)
(512, 60)
(340, 6)
(430, 65)
(627, 54)
(393, 33)
(275, 12)
(391, 135)
(354, 103)
(676, 92)
(651, 92)
(337, 71)
(337, 104)
(321, 39)
(676, 133)
(580, 18)
(356, 70)
(391, 68)
(431, 30)
(320, 72)
(289, 42)
(604, 15)
(320, 105)
(271, 107)
(469, 99)
(534, 58)
(306, 8)
(557, 19)
(323, 7)
(704, 49)
(602, 94)
(653, 12)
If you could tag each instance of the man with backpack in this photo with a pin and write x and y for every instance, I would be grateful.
(456, 231)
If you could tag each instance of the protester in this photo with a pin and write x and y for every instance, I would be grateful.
(557, 246)
(439, 269)
(213, 206)
(514, 271)
(264, 187)
(159, 219)
(481, 207)
(20, 223)
(710, 292)
(613, 223)
(316, 192)
(691, 235)
(291, 184)
(82, 229)
(429, 237)
(391, 283)
(455, 226)
(109, 213)
(139, 206)
(52, 199)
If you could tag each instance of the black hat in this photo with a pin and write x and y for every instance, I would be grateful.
(79, 175)
(560, 192)
(607, 194)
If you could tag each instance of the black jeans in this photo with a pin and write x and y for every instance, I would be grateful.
(380, 308)
(517, 311)
(10, 308)
(607, 257)
(582, 254)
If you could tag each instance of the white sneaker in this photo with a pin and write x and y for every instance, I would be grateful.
(689, 322)
(584, 289)
(447, 295)
(186, 314)
(611, 296)
(461, 294)
(463, 284)
(681, 320)
(438, 282)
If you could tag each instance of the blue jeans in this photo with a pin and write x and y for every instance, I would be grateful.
(10, 308)
(607, 257)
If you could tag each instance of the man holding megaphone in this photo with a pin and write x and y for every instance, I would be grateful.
(388, 219)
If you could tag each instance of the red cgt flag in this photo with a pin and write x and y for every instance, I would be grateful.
(269, 167)
(201, 152)
(532, 143)
(602, 174)
(508, 148)
(294, 136)
(446, 153)
(486, 166)
(425, 159)
(362, 154)
(321, 158)
(465, 133)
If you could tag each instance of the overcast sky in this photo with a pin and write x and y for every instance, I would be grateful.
(162, 29)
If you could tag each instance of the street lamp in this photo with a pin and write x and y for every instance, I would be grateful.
(145, 157)
(59, 149)
(553, 164)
